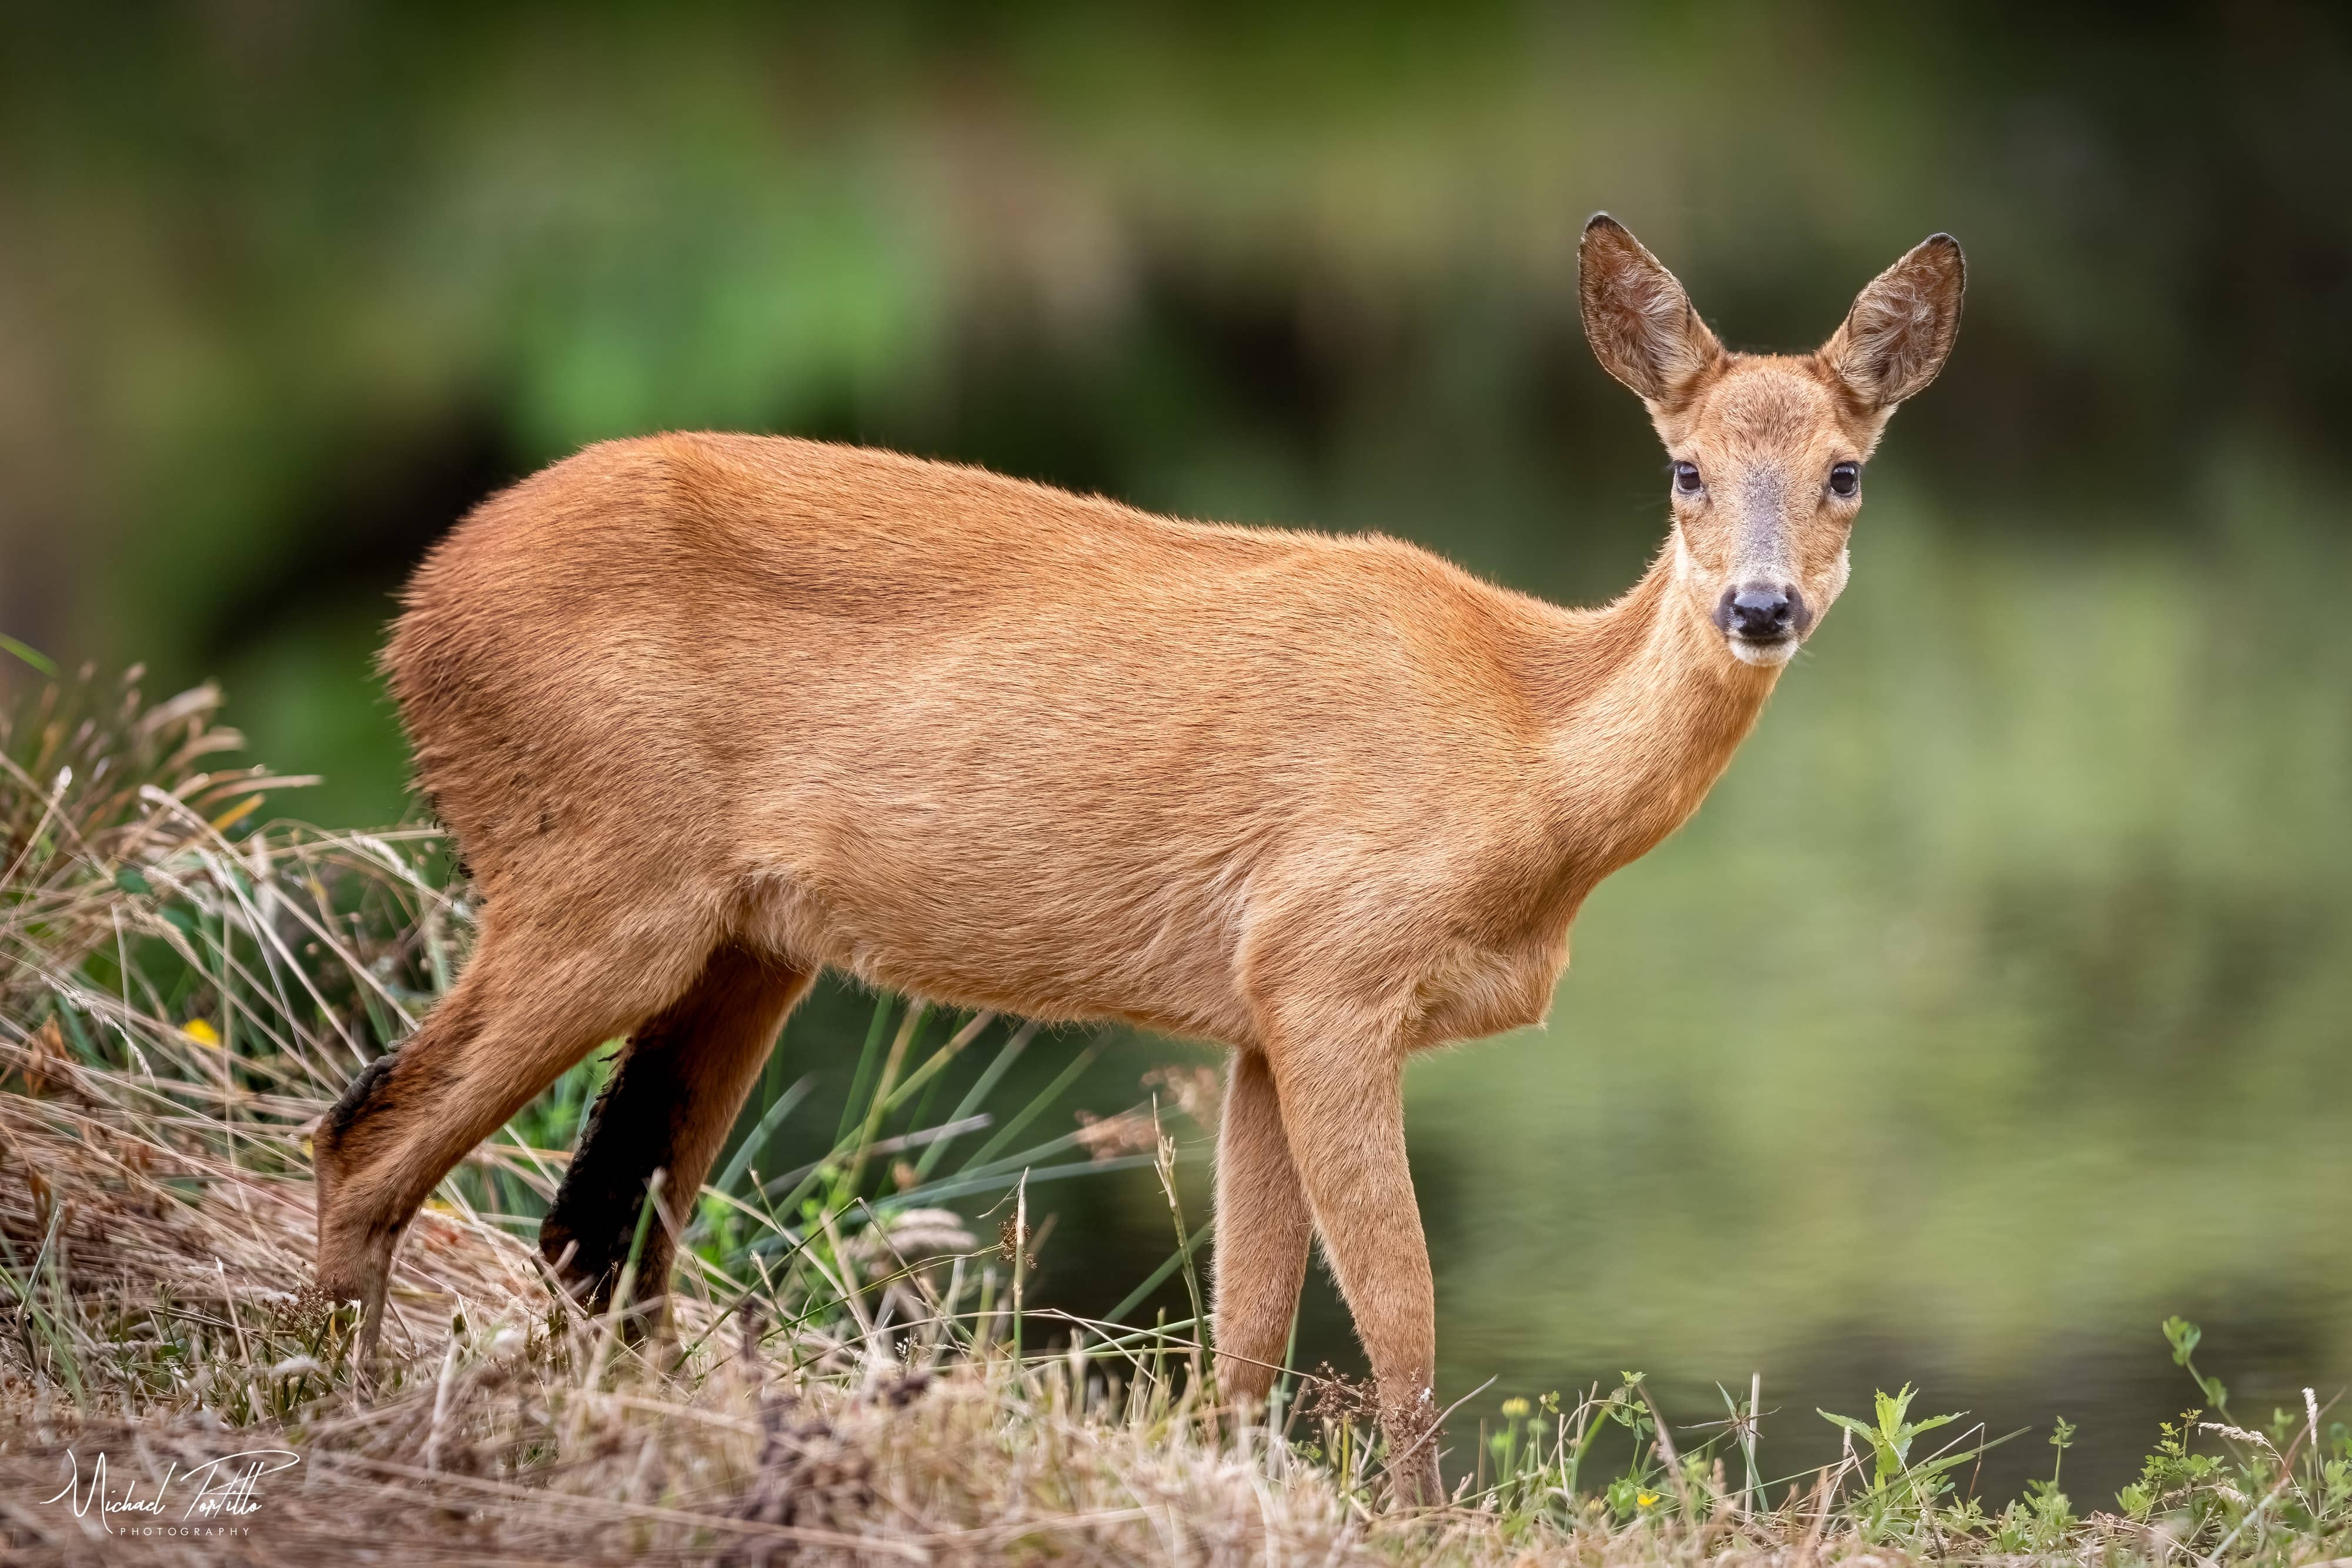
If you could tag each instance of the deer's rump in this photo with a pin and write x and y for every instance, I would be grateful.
(977, 738)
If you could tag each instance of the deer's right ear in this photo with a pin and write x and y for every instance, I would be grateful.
(1637, 317)
(1900, 327)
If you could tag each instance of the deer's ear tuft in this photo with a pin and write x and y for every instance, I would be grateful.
(1637, 317)
(1900, 327)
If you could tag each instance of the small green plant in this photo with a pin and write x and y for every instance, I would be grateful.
(2173, 1479)
(2183, 1336)
(2043, 1517)
(1744, 1425)
(2254, 1491)
(1890, 1437)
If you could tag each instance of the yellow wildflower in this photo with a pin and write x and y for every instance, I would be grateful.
(1513, 1409)
(1644, 1498)
(201, 1032)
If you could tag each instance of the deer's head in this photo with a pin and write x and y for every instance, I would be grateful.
(1767, 449)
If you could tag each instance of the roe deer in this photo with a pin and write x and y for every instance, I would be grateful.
(710, 713)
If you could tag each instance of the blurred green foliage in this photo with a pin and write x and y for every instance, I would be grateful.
(1995, 1007)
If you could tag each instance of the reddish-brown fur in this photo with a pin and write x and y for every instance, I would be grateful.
(710, 713)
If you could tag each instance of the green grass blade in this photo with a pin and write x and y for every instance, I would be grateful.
(1159, 1276)
(1051, 1092)
(852, 1109)
(902, 1043)
(30, 655)
(794, 1183)
(989, 1078)
(962, 1185)
(1028, 1156)
(938, 1059)
(757, 1139)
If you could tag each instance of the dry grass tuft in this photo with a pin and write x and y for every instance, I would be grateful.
(164, 1320)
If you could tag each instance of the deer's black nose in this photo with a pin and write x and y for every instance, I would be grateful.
(1761, 613)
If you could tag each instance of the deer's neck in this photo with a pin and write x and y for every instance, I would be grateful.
(1643, 708)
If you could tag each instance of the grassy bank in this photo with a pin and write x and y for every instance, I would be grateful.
(853, 1371)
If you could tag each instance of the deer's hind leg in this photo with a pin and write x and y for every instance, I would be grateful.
(672, 1100)
(539, 994)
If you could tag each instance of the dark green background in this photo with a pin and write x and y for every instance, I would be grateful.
(1997, 1004)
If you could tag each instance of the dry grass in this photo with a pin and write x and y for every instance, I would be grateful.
(169, 1324)
(182, 993)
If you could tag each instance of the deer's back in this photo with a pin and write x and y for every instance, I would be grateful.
(982, 740)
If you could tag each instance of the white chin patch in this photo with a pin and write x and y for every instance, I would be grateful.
(1763, 656)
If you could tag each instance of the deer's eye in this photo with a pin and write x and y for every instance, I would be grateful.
(1845, 479)
(1686, 479)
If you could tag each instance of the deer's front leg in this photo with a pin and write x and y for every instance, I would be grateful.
(1343, 1109)
(1262, 1233)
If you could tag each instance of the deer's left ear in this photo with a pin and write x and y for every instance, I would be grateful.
(1900, 327)
(1637, 317)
